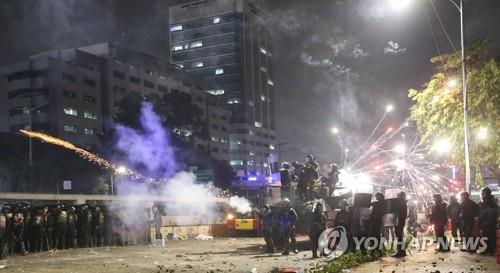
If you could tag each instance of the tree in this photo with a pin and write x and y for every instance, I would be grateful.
(438, 107)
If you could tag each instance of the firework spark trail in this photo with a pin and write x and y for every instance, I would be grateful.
(91, 157)
(388, 135)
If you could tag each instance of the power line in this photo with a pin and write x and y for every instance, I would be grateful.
(442, 26)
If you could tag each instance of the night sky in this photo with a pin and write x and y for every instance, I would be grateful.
(332, 59)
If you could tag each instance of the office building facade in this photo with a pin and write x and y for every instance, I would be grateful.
(228, 43)
(75, 93)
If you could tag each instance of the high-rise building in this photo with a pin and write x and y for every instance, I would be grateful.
(228, 43)
(73, 93)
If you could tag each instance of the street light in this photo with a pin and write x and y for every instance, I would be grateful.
(398, 5)
(120, 170)
(335, 130)
(29, 112)
(442, 146)
(389, 108)
(482, 134)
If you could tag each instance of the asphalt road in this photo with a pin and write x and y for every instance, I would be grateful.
(219, 255)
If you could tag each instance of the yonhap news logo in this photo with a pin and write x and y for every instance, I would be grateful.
(333, 242)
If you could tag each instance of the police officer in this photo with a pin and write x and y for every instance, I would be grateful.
(71, 232)
(288, 222)
(16, 240)
(4, 229)
(84, 227)
(376, 217)
(27, 212)
(298, 170)
(400, 226)
(267, 227)
(468, 211)
(487, 218)
(343, 219)
(318, 225)
(37, 230)
(286, 176)
(453, 211)
(97, 227)
(439, 219)
(61, 227)
(49, 227)
(311, 174)
(332, 178)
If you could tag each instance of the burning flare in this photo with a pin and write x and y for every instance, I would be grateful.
(81, 152)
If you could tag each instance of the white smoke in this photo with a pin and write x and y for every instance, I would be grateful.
(393, 48)
(240, 204)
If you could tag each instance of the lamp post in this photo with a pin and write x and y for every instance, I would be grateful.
(29, 112)
(121, 170)
(398, 5)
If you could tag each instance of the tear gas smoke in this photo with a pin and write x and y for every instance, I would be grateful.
(242, 205)
(150, 148)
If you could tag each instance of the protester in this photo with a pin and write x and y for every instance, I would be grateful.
(488, 219)
(439, 219)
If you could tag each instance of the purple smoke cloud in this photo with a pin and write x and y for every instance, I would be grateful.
(149, 148)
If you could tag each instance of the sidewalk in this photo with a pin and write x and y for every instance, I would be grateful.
(430, 261)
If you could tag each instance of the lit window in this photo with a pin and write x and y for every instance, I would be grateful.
(197, 64)
(251, 153)
(258, 124)
(263, 50)
(263, 69)
(233, 101)
(88, 131)
(270, 82)
(215, 139)
(216, 20)
(250, 103)
(70, 128)
(271, 146)
(196, 44)
(216, 92)
(265, 164)
(223, 140)
(89, 115)
(70, 111)
(177, 48)
(180, 65)
(262, 98)
(236, 163)
(176, 28)
(219, 71)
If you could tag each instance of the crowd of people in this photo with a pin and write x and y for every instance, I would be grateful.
(467, 219)
(307, 176)
(25, 228)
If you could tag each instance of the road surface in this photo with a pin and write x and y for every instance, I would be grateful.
(219, 255)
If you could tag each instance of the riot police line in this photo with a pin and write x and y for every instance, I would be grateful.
(384, 217)
(25, 228)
